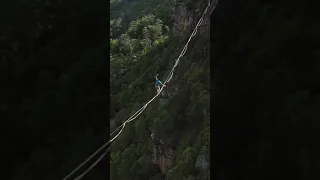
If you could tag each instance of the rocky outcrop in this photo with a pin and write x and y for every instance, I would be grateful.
(163, 156)
(180, 17)
(185, 20)
(202, 162)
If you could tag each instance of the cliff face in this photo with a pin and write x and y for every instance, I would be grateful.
(163, 156)
(185, 19)
(181, 19)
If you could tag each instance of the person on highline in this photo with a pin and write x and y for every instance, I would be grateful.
(158, 83)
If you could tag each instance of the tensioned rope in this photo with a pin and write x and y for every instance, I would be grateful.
(137, 113)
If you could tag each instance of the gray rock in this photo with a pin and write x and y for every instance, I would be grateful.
(202, 162)
(162, 157)
(186, 20)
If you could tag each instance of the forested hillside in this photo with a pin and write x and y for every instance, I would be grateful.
(143, 44)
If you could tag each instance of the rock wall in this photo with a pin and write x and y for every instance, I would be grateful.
(185, 20)
(163, 156)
